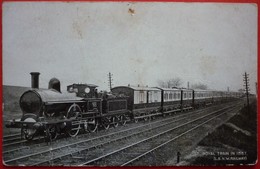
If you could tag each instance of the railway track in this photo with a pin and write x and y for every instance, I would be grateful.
(8, 139)
(164, 142)
(13, 143)
(72, 154)
(133, 152)
(40, 152)
(173, 142)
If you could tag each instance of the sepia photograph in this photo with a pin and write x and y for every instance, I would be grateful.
(129, 84)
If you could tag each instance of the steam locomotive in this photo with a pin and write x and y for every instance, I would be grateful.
(50, 112)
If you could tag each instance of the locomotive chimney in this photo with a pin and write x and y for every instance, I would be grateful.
(35, 79)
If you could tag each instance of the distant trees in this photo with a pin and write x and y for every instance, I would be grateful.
(177, 82)
(199, 86)
(169, 83)
(241, 90)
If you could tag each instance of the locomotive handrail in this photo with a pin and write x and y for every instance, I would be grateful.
(67, 101)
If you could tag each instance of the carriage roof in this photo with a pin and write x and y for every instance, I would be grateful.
(139, 88)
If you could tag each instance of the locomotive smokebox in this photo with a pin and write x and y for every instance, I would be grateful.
(35, 79)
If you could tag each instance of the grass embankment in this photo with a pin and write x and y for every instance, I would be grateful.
(11, 96)
(234, 142)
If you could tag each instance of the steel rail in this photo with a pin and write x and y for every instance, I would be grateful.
(173, 139)
(152, 137)
(90, 140)
(174, 117)
(11, 135)
(108, 142)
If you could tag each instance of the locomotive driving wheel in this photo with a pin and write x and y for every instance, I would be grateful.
(74, 113)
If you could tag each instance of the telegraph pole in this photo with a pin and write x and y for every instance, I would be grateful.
(246, 85)
(110, 80)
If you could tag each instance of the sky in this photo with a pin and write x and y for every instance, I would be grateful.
(139, 43)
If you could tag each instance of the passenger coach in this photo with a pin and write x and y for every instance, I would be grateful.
(144, 102)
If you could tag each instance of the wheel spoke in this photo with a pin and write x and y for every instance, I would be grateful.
(74, 112)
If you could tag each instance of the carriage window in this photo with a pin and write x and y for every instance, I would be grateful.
(156, 96)
(141, 96)
(170, 96)
(164, 96)
(150, 97)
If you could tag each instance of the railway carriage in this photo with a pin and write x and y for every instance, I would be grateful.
(203, 97)
(187, 99)
(143, 102)
(171, 99)
(217, 96)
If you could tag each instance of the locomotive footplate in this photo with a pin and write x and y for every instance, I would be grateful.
(17, 123)
(48, 128)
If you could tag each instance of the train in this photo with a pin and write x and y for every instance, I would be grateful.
(51, 112)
